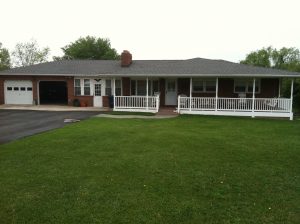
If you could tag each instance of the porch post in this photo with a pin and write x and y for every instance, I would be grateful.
(147, 94)
(279, 87)
(291, 99)
(114, 91)
(191, 89)
(253, 97)
(217, 89)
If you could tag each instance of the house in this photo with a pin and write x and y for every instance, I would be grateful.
(194, 86)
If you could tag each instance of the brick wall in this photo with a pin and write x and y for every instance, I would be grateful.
(105, 101)
(269, 88)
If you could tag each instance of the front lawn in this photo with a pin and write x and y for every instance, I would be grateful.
(190, 169)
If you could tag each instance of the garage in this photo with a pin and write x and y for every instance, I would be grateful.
(18, 92)
(53, 92)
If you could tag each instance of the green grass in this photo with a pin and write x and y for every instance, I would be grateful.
(190, 169)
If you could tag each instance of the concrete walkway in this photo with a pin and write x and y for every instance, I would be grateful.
(135, 116)
(51, 108)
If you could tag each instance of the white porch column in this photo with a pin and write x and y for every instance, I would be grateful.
(253, 97)
(114, 91)
(217, 89)
(291, 99)
(147, 94)
(191, 90)
(279, 87)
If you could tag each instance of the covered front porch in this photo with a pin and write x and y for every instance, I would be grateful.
(228, 96)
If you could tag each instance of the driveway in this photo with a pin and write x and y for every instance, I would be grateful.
(15, 124)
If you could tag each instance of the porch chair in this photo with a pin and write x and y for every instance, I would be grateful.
(156, 93)
(242, 97)
(272, 102)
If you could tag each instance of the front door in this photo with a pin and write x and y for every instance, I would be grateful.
(97, 95)
(171, 92)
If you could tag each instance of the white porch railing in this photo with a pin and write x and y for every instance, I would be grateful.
(275, 107)
(136, 103)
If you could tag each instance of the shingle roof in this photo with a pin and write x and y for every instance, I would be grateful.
(190, 67)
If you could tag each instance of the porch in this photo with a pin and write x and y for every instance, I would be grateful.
(257, 107)
(219, 96)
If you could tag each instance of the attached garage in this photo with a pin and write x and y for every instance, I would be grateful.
(18, 92)
(53, 92)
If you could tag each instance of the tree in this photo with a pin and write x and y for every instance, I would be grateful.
(262, 58)
(284, 58)
(4, 58)
(29, 53)
(89, 48)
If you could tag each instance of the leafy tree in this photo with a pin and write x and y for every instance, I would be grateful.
(4, 58)
(261, 58)
(29, 53)
(284, 58)
(89, 48)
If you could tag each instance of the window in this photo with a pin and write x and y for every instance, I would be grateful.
(29, 88)
(133, 87)
(246, 86)
(198, 86)
(210, 86)
(87, 87)
(202, 85)
(23, 89)
(9, 88)
(118, 84)
(107, 87)
(77, 87)
(240, 86)
(82, 87)
(154, 86)
(139, 87)
(16, 88)
(97, 89)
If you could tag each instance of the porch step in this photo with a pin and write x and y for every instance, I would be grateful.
(167, 111)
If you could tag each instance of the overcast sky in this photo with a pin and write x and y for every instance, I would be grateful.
(156, 29)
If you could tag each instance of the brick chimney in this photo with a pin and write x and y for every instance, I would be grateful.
(126, 58)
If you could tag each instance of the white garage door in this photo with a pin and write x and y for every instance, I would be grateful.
(18, 92)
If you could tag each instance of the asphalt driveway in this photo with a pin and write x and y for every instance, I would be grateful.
(15, 124)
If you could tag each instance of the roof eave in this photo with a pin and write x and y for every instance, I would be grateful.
(159, 75)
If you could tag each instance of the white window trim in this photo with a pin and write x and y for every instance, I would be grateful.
(111, 87)
(204, 85)
(82, 87)
(249, 82)
(150, 83)
(121, 83)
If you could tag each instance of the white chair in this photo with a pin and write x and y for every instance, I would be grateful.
(156, 93)
(242, 97)
(271, 102)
